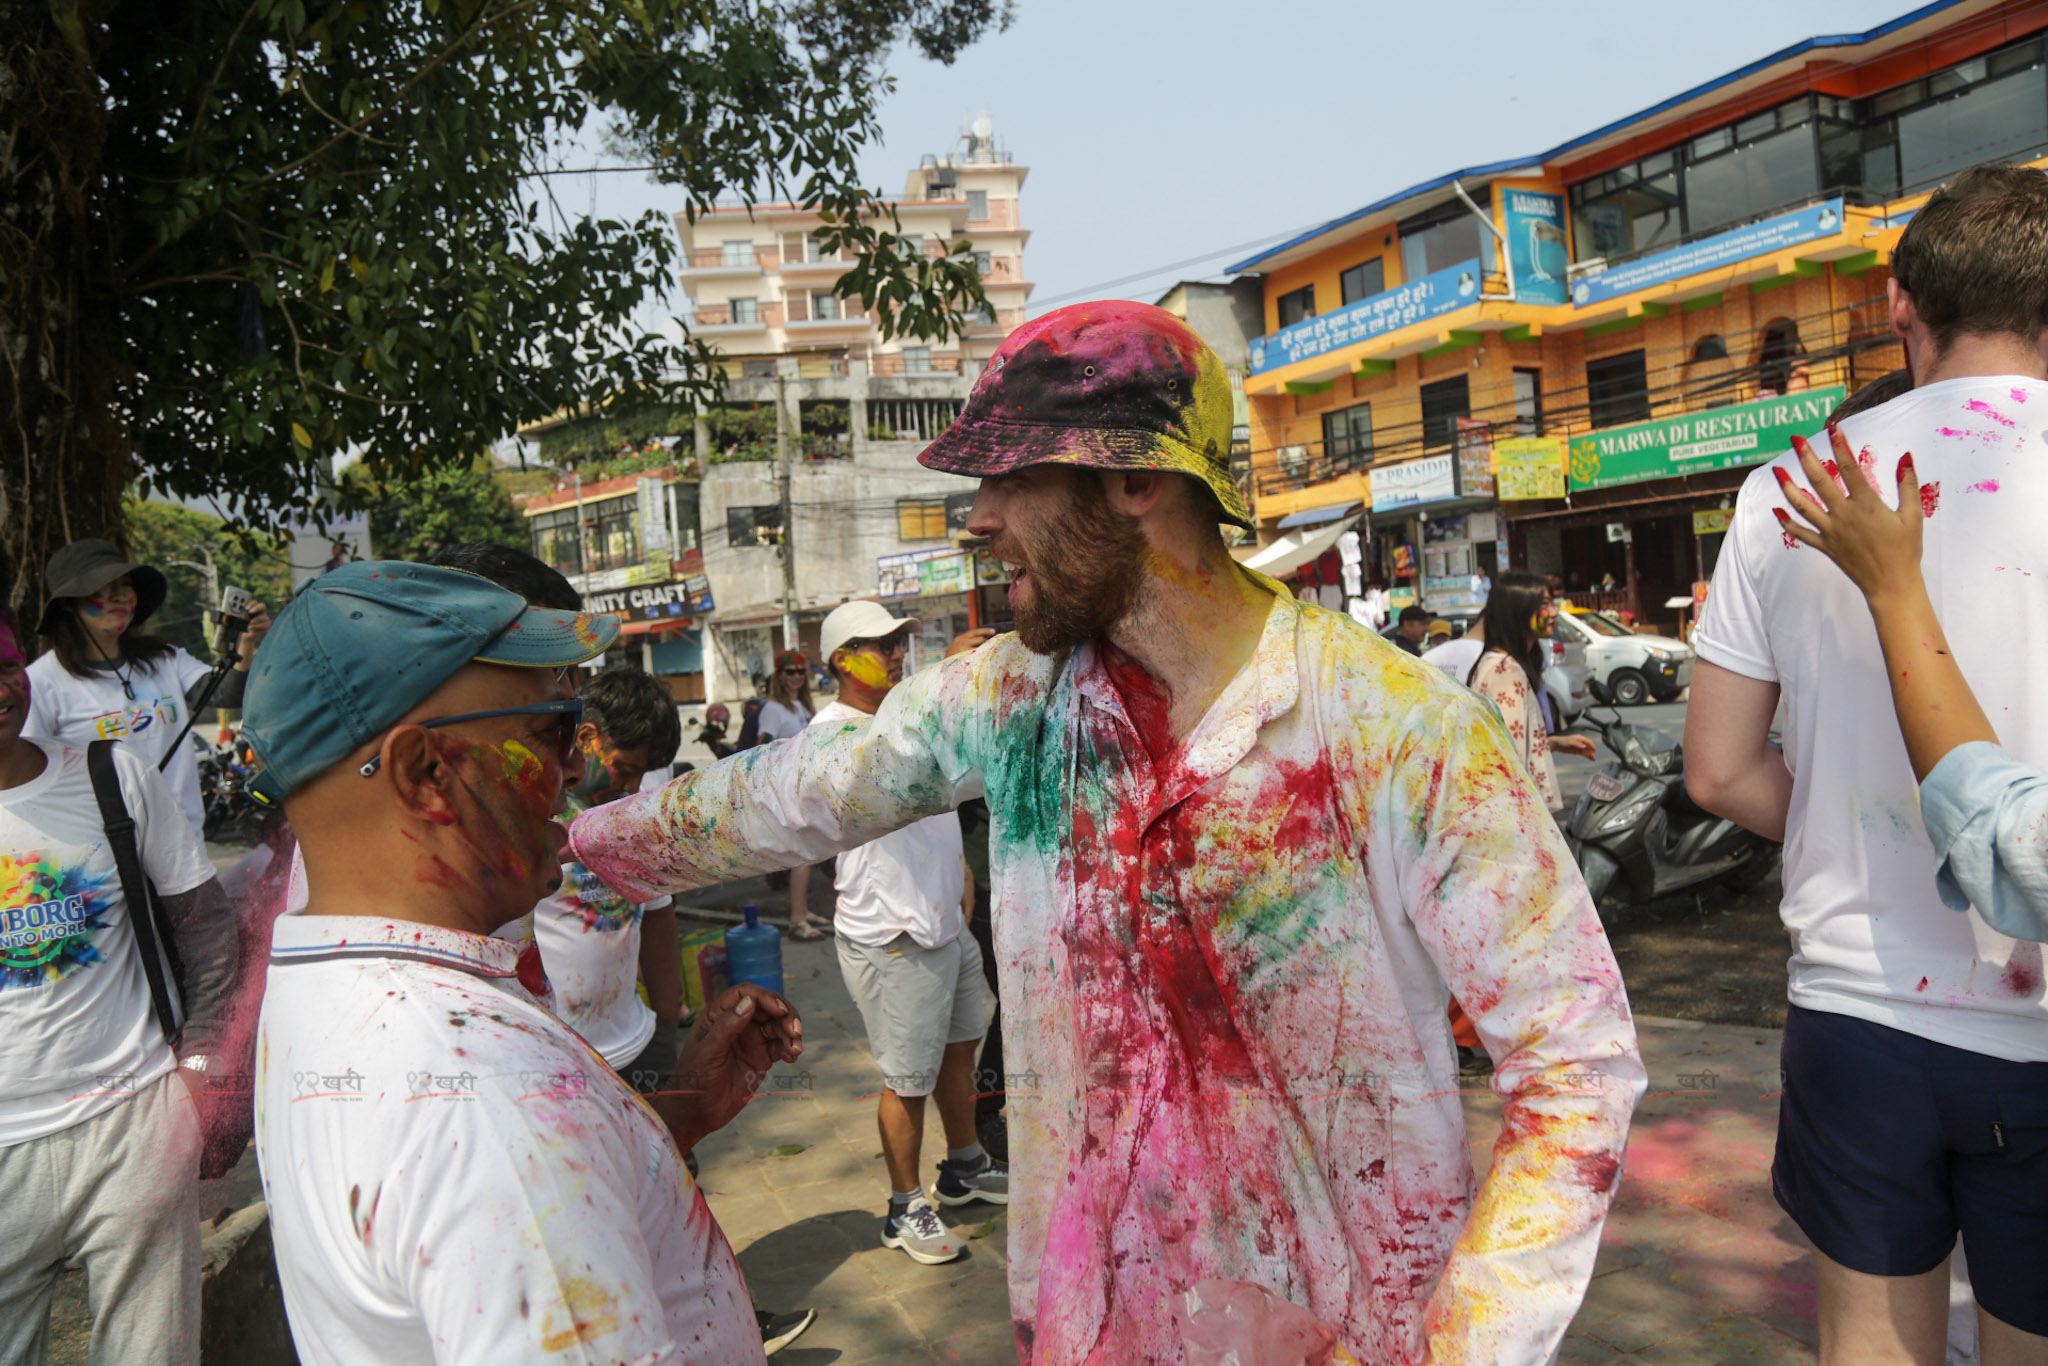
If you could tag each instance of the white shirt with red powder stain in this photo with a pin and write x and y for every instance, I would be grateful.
(455, 1177)
(1224, 980)
(1870, 935)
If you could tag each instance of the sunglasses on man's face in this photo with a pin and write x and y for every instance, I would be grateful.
(796, 669)
(568, 710)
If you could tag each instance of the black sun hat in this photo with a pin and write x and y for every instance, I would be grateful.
(85, 567)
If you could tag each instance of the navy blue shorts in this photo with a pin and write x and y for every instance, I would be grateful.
(1890, 1144)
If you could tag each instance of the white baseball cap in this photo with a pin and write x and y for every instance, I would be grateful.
(861, 620)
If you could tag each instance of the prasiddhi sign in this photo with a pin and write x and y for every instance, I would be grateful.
(1412, 483)
(1755, 239)
(1536, 251)
(1529, 467)
(1717, 439)
(1449, 288)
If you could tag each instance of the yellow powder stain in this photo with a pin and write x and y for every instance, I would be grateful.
(518, 760)
(866, 668)
(592, 1314)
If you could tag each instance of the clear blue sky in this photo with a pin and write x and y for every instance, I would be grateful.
(1158, 132)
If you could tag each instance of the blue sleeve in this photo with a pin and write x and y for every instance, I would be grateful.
(1987, 816)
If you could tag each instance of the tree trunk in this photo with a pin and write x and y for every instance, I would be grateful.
(64, 461)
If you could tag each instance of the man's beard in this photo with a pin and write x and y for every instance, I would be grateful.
(1086, 569)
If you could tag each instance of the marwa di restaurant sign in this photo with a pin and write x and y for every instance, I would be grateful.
(1717, 439)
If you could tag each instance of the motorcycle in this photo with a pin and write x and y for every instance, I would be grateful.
(232, 814)
(1638, 836)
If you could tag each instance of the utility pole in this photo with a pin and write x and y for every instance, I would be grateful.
(782, 464)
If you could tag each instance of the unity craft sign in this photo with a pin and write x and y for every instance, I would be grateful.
(1717, 439)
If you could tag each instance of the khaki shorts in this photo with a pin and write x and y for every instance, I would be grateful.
(914, 1001)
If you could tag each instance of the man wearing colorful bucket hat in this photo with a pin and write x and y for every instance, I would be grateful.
(1244, 853)
(452, 1173)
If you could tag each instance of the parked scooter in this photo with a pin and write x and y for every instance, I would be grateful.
(1637, 836)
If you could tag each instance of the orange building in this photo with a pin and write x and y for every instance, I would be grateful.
(1566, 362)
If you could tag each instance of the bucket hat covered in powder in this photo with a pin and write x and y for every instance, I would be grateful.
(1107, 386)
(83, 568)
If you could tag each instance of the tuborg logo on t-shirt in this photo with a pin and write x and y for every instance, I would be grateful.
(51, 912)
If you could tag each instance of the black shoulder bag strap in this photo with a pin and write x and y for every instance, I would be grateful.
(135, 887)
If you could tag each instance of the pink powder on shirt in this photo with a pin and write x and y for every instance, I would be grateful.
(1930, 498)
(1979, 406)
(1983, 486)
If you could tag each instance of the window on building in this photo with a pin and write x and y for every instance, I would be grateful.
(917, 360)
(755, 525)
(1363, 280)
(1763, 164)
(613, 530)
(983, 264)
(1297, 305)
(746, 310)
(913, 244)
(1347, 437)
(1528, 403)
(557, 539)
(1626, 211)
(1778, 356)
(1443, 403)
(1709, 347)
(977, 206)
(1618, 389)
(758, 367)
(1991, 108)
(739, 253)
(824, 306)
(920, 519)
(1710, 378)
(1444, 237)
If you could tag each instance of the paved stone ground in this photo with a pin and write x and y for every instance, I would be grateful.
(1698, 1265)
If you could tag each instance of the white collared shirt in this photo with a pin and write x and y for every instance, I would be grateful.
(455, 1177)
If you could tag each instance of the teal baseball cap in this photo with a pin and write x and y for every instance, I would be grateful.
(360, 647)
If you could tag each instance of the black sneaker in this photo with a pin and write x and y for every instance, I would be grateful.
(962, 1184)
(779, 1330)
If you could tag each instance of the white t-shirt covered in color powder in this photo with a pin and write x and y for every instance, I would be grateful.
(910, 881)
(454, 1176)
(1871, 938)
(63, 706)
(78, 1032)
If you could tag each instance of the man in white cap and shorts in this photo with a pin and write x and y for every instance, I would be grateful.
(912, 968)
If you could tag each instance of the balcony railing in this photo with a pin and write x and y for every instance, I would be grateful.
(891, 363)
(714, 258)
(721, 315)
(799, 310)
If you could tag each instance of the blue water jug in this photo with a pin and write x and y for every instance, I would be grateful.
(753, 953)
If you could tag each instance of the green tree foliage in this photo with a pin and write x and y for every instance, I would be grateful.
(416, 517)
(176, 539)
(240, 236)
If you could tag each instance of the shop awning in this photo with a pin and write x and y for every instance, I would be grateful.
(1314, 516)
(1296, 549)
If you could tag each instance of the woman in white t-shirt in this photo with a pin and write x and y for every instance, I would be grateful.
(104, 678)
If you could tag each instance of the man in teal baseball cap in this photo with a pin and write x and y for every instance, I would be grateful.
(448, 1165)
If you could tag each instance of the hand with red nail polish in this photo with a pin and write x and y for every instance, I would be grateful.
(1877, 546)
